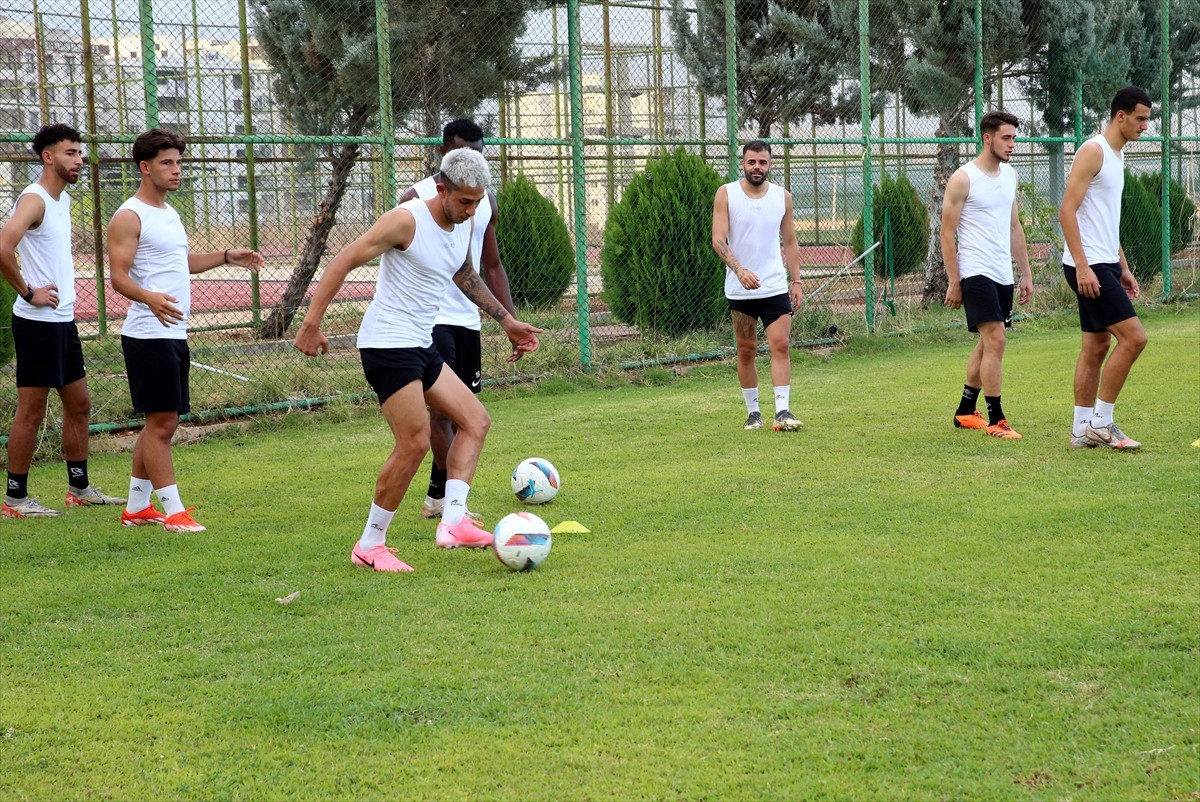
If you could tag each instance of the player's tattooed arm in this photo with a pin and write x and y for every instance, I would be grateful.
(473, 287)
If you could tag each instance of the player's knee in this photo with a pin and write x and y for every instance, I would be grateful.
(1137, 341)
(80, 407)
(30, 415)
(477, 424)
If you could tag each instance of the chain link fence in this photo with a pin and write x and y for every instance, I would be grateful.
(298, 140)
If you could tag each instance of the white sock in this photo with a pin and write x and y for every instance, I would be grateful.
(1083, 416)
(375, 532)
(1103, 414)
(456, 501)
(169, 496)
(783, 396)
(750, 396)
(139, 494)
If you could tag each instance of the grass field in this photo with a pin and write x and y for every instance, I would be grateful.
(878, 607)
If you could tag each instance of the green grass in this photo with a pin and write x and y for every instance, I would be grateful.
(878, 607)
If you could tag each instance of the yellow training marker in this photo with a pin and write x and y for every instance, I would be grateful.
(571, 527)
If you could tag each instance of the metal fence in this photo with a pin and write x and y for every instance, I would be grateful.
(297, 111)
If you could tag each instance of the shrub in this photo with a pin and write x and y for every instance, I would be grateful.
(535, 246)
(659, 269)
(910, 225)
(1183, 210)
(8, 297)
(1140, 229)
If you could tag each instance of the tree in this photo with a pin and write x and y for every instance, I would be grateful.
(1183, 209)
(790, 58)
(938, 79)
(446, 57)
(659, 269)
(535, 246)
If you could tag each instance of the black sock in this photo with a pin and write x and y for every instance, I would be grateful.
(969, 398)
(995, 411)
(18, 485)
(437, 482)
(77, 474)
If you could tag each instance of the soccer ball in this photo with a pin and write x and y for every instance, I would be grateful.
(535, 481)
(522, 541)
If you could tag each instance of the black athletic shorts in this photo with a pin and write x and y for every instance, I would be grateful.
(461, 350)
(768, 310)
(1113, 305)
(158, 374)
(389, 370)
(985, 300)
(49, 353)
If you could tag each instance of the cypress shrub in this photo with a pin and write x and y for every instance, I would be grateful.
(658, 265)
(535, 246)
(1140, 229)
(8, 297)
(1183, 210)
(910, 225)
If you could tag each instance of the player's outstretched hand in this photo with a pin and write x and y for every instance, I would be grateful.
(522, 335)
(244, 257)
(310, 341)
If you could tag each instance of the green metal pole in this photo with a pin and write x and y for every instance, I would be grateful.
(731, 100)
(85, 18)
(978, 64)
(1078, 109)
(609, 130)
(383, 31)
(868, 176)
(575, 45)
(251, 185)
(1165, 79)
(204, 201)
(39, 41)
(149, 62)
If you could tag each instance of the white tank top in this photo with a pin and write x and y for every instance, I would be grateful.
(159, 265)
(46, 258)
(984, 229)
(754, 239)
(1099, 214)
(457, 309)
(412, 283)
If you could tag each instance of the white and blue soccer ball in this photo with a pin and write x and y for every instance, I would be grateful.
(521, 541)
(535, 481)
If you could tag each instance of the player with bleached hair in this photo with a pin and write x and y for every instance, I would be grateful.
(422, 246)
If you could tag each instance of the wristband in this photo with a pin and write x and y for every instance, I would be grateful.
(28, 297)
(796, 281)
(226, 256)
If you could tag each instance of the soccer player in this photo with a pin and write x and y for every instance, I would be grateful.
(151, 266)
(456, 327)
(751, 217)
(422, 245)
(1094, 265)
(980, 205)
(49, 354)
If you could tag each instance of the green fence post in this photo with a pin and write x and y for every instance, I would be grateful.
(93, 156)
(731, 100)
(978, 64)
(149, 62)
(575, 46)
(251, 184)
(387, 127)
(1165, 77)
(868, 173)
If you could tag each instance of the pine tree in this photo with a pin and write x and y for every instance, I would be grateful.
(446, 57)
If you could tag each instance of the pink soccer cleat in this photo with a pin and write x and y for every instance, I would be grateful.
(380, 558)
(463, 535)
